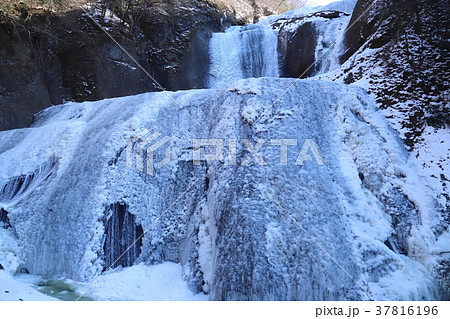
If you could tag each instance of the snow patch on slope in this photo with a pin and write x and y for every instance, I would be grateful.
(9, 250)
(13, 290)
(161, 282)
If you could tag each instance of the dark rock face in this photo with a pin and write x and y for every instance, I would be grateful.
(297, 51)
(194, 64)
(297, 46)
(22, 86)
(175, 44)
(46, 58)
(412, 50)
(55, 58)
(4, 219)
(92, 66)
(121, 233)
(67, 59)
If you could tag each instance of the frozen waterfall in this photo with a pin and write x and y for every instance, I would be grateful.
(243, 52)
(233, 242)
(74, 191)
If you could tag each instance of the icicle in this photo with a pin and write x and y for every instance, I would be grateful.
(18, 186)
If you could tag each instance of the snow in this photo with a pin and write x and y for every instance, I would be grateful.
(313, 3)
(13, 290)
(9, 250)
(205, 250)
(409, 282)
(346, 6)
(95, 10)
(161, 282)
(139, 282)
(330, 43)
(442, 245)
(429, 152)
(433, 156)
(124, 64)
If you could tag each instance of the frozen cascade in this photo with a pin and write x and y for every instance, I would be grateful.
(18, 186)
(232, 240)
(242, 52)
(330, 43)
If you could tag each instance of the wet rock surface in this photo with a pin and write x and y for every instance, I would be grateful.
(48, 58)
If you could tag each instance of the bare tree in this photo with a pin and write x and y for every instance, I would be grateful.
(129, 11)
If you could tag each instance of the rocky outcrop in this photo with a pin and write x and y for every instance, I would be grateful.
(300, 38)
(67, 58)
(297, 51)
(4, 219)
(49, 57)
(411, 54)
